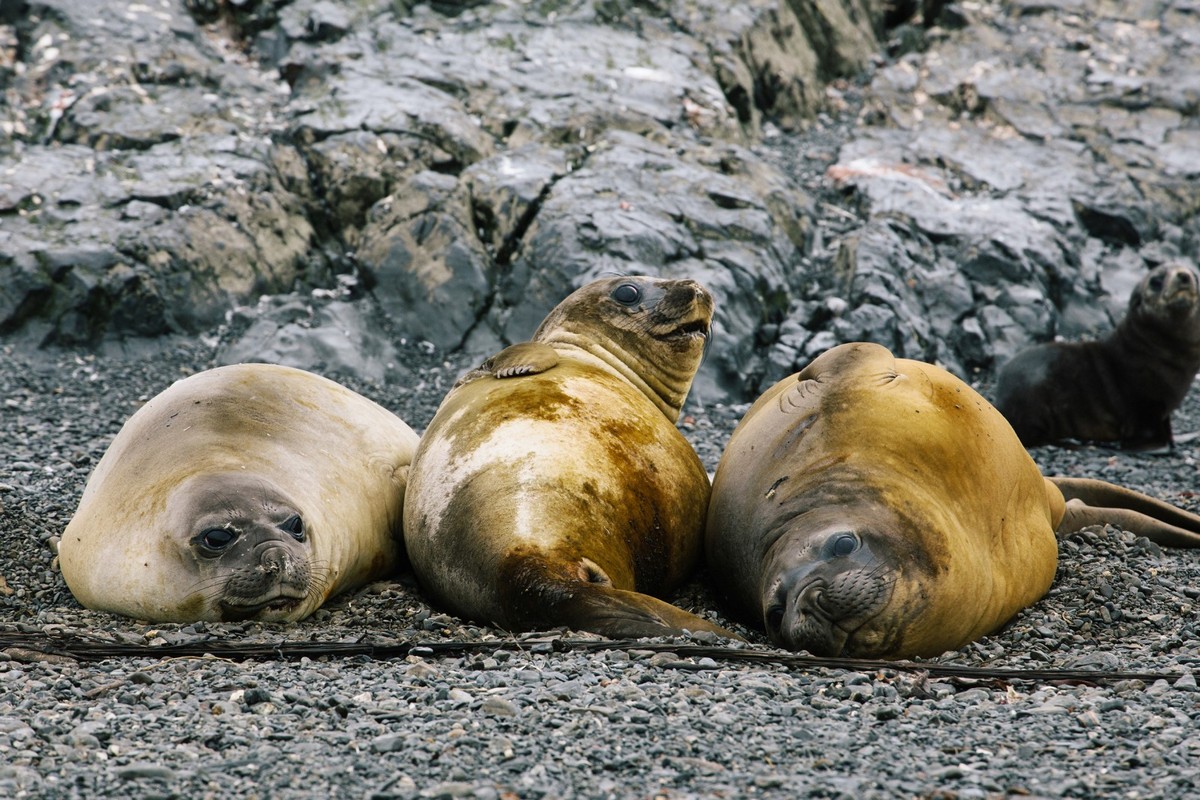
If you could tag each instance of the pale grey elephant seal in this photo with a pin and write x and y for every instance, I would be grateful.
(552, 487)
(1120, 389)
(872, 506)
(252, 491)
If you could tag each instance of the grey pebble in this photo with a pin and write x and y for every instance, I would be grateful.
(138, 770)
(498, 706)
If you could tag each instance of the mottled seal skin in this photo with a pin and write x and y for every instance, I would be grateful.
(252, 491)
(878, 507)
(552, 487)
(1120, 389)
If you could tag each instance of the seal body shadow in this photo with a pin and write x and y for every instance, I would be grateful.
(1121, 389)
(246, 491)
(880, 507)
(552, 486)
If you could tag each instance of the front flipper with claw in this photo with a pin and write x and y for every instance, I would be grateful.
(526, 358)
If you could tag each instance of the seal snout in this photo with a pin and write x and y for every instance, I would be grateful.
(797, 615)
(819, 609)
(685, 310)
(1180, 287)
(272, 581)
(276, 561)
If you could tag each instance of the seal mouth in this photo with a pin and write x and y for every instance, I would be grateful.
(1182, 298)
(696, 329)
(278, 604)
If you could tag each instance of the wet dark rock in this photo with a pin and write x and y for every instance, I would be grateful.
(159, 175)
(466, 165)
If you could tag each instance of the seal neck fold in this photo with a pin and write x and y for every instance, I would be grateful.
(667, 396)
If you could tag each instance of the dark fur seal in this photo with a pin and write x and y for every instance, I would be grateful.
(878, 507)
(1121, 389)
(552, 486)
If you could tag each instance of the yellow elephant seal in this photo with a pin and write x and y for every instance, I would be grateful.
(871, 506)
(252, 491)
(552, 487)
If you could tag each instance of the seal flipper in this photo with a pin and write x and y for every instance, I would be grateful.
(1095, 502)
(542, 592)
(525, 358)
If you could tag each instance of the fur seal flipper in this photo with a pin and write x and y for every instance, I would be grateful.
(542, 592)
(552, 486)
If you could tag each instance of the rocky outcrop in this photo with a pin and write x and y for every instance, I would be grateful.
(462, 165)
(1016, 186)
(456, 168)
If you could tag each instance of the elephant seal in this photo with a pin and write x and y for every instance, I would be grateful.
(871, 506)
(552, 487)
(251, 491)
(1120, 389)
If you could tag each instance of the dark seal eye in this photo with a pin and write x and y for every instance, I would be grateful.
(774, 618)
(1156, 282)
(627, 294)
(295, 526)
(216, 539)
(843, 544)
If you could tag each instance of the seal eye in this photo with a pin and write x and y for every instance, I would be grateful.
(295, 526)
(216, 539)
(1156, 282)
(774, 618)
(627, 294)
(843, 544)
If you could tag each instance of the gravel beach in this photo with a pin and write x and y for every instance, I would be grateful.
(467, 711)
(527, 718)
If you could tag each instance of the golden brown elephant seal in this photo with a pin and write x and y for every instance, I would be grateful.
(248, 491)
(878, 507)
(552, 486)
(1120, 389)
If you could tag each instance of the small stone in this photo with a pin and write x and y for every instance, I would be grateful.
(884, 713)
(138, 770)
(255, 695)
(388, 743)
(1186, 683)
(422, 670)
(499, 707)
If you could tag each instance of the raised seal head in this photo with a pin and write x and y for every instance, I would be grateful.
(552, 486)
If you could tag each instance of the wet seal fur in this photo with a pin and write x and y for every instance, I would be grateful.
(552, 487)
(251, 491)
(879, 507)
(1120, 389)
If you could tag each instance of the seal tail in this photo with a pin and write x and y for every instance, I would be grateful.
(547, 593)
(1093, 502)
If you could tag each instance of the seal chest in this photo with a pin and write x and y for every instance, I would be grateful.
(552, 487)
(248, 491)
